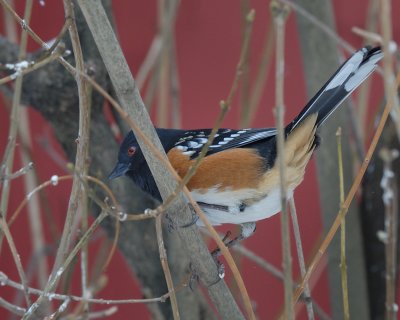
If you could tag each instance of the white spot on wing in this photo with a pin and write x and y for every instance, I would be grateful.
(188, 153)
(202, 140)
(192, 144)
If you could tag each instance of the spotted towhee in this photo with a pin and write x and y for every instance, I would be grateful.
(238, 180)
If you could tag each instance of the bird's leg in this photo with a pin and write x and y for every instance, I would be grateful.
(247, 229)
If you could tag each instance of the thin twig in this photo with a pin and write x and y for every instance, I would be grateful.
(149, 61)
(12, 308)
(63, 306)
(280, 12)
(299, 247)
(18, 173)
(343, 264)
(16, 257)
(389, 78)
(99, 314)
(82, 156)
(389, 236)
(164, 264)
(245, 84)
(343, 211)
(53, 182)
(8, 158)
(175, 89)
(261, 77)
(364, 91)
(5, 281)
(32, 66)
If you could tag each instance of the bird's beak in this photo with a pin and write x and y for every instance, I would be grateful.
(119, 170)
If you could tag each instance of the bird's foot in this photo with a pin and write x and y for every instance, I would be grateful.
(194, 219)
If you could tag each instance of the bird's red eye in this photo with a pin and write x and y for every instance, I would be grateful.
(131, 151)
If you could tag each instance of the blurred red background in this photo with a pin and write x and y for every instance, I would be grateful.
(208, 40)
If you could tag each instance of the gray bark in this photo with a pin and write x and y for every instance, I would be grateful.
(321, 58)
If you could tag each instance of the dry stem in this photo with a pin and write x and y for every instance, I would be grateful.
(164, 264)
(299, 247)
(280, 12)
(56, 296)
(343, 264)
(8, 159)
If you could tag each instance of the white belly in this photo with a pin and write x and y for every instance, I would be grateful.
(262, 209)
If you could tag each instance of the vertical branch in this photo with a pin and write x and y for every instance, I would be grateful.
(299, 247)
(389, 78)
(261, 76)
(167, 13)
(85, 257)
(245, 85)
(389, 197)
(164, 264)
(82, 159)
(175, 89)
(8, 159)
(343, 264)
(163, 79)
(30, 179)
(364, 91)
(389, 236)
(280, 13)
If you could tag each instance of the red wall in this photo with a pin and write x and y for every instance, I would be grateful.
(208, 37)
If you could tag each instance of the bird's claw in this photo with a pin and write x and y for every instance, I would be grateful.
(194, 219)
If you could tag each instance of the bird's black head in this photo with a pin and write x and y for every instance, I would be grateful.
(130, 157)
(131, 161)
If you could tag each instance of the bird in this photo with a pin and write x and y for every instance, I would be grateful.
(238, 180)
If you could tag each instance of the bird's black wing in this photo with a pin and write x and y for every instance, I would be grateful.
(193, 141)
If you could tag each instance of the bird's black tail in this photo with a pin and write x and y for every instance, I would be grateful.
(346, 79)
